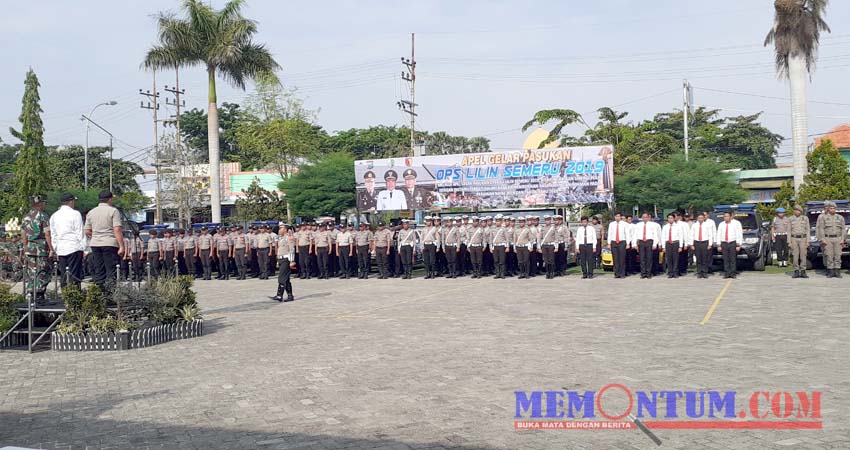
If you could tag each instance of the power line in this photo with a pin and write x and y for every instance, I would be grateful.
(768, 96)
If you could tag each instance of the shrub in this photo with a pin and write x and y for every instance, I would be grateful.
(8, 314)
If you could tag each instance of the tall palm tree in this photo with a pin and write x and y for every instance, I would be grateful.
(563, 116)
(221, 42)
(796, 35)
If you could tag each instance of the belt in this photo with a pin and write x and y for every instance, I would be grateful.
(798, 236)
(781, 234)
(430, 243)
(671, 242)
(449, 245)
(547, 245)
(475, 245)
(832, 235)
(407, 245)
(701, 241)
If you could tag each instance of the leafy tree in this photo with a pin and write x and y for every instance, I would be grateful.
(65, 169)
(796, 36)
(677, 183)
(375, 142)
(828, 177)
(132, 202)
(260, 204)
(564, 117)
(786, 196)
(86, 199)
(30, 166)
(221, 41)
(323, 188)
(270, 100)
(441, 143)
(281, 143)
(193, 128)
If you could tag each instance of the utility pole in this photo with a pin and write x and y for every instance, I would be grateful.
(177, 103)
(409, 107)
(154, 96)
(688, 100)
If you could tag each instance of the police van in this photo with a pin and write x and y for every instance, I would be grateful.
(757, 247)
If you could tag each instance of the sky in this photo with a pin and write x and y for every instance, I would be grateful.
(483, 67)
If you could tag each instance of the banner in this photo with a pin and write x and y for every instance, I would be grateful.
(519, 178)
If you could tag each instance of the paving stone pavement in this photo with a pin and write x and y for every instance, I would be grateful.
(422, 364)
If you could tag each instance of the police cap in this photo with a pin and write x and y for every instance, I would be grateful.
(409, 173)
(369, 175)
(390, 175)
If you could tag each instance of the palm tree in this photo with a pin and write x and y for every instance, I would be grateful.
(563, 116)
(220, 41)
(796, 35)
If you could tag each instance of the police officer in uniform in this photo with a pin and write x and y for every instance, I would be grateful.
(223, 248)
(322, 241)
(133, 257)
(383, 241)
(500, 239)
(548, 246)
(407, 248)
(597, 225)
(564, 236)
(345, 250)
(285, 250)
(779, 234)
(441, 254)
(190, 252)
(240, 253)
(169, 252)
(367, 199)
(154, 252)
(452, 237)
(523, 243)
(204, 251)
(799, 233)
(431, 242)
(38, 247)
(830, 233)
(364, 239)
(475, 243)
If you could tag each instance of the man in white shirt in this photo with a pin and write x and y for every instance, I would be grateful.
(684, 221)
(702, 237)
(391, 199)
(69, 240)
(586, 247)
(712, 224)
(619, 240)
(674, 243)
(647, 238)
(730, 235)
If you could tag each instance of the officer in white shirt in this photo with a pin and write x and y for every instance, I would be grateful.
(702, 237)
(69, 240)
(619, 240)
(675, 242)
(586, 247)
(730, 235)
(391, 199)
(647, 239)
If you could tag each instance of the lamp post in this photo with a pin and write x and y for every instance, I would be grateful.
(86, 153)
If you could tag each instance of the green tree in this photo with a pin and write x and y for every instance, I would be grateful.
(65, 169)
(375, 142)
(677, 183)
(786, 196)
(193, 128)
(828, 177)
(260, 204)
(564, 117)
(221, 41)
(31, 163)
(132, 201)
(323, 188)
(796, 36)
(281, 143)
(442, 143)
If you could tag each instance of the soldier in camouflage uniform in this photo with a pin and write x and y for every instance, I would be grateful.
(38, 246)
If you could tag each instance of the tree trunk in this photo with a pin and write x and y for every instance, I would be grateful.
(215, 167)
(797, 74)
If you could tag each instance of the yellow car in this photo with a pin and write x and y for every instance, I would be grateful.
(608, 260)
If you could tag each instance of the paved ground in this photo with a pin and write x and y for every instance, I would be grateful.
(418, 364)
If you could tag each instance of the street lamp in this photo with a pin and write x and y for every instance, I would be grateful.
(86, 155)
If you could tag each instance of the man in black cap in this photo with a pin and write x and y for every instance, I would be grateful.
(416, 197)
(391, 199)
(69, 240)
(367, 199)
(104, 229)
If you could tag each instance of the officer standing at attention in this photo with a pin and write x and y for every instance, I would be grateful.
(38, 247)
(548, 245)
(618, 242)
(799, 232)
(475, 245)
(406, 248)
(702, 235)
(730, 235)
(779, 235)
(647, 238)
(431, 241)
(322, 241)
(223, 248)
(510, 253)
(303, 248)
(345, 250)
(674, 243)
(533, 254)
(383, 240)
(586, 248)
(240, 252)
(597, 225)
(365, 240)
(169, 253)
(106, 240)
(263, 240)
(204, 251)
(189, 252)
(564, 236)
(500, 241)
(451, 246)
(285, 249)
(155, 253)
(134, 255)
(830, 232)
(523, 242)
(253, 265)
(441, 254)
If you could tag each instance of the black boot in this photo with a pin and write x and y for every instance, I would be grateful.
(279, 295)
(803, 274)
(796, 274)
(836, 273)
(289, 296)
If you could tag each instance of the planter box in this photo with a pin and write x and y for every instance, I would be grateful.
(144, 337)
